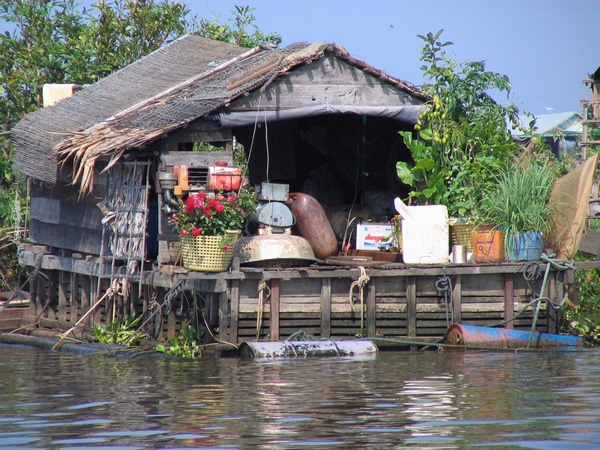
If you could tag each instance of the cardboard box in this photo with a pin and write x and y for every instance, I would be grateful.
(370, 236)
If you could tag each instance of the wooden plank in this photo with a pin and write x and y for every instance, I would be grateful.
(74, 297)
(509, 300)
(86, 294)
(411, 302)
(223, 318)
(326, 308)
(371, 309)
(590, 242)
(63, 292)
(457, 299)
(274, 310)
(235, 310)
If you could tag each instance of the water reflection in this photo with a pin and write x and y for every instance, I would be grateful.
(424, 400)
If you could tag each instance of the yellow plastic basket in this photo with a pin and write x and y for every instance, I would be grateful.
(207, 253)
(462, 234)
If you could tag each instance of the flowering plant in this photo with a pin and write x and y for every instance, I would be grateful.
(204, 215)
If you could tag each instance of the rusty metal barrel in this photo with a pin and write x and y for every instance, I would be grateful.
(471, 336)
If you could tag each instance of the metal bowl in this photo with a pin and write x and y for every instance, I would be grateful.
(274, 250)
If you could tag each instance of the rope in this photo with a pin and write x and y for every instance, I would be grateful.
(361, 282)
(444, 286)
(262, 287)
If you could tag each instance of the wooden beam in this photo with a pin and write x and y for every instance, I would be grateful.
(326, 308)
(223, 317)
(371, 309)
(74, 297)
(63, 289)
(457, 299)
(235, 311)
(411, 306)
(274, 310)
(509, 301)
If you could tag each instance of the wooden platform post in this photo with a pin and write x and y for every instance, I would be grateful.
(224, 324)
(411, 306)
(371, 308)
(234, 317)
(509, 301)
(326, 308)
(457, 299)
(274, 310)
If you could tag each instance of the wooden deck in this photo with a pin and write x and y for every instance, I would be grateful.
(323, 300)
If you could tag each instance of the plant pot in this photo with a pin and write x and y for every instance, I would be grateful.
(488, 246)
(524, 246)
(208, 253)
(462, 234)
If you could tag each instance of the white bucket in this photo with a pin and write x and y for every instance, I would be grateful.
(426, 239)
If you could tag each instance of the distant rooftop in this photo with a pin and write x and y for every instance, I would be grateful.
(566, 124)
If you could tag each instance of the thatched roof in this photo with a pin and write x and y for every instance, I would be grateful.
(183, 81)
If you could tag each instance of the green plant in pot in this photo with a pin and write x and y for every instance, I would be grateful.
(518, 205)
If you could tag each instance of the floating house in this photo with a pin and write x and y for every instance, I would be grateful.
(309, 117)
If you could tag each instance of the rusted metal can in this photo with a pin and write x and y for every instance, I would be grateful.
(471, 336)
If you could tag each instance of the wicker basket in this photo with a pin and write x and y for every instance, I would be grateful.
(462, 234)
(206, 253)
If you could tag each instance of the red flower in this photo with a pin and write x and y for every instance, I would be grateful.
(183, 232)
(194, 202)
(226, 248)
(213, 202)
(219, 208)
(231, 199)
(207, 211)
(196, 232)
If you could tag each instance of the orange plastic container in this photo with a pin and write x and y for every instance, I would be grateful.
(488, 246)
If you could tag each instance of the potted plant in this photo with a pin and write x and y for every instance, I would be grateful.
(518, 205)
(209, 226)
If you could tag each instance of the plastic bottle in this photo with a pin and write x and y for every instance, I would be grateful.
(312, 224)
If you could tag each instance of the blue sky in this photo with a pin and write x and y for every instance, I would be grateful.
(545, 47)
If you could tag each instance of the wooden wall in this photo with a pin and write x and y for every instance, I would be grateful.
(399, 301)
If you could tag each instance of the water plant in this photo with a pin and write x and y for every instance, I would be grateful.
(120, 332)
(187, 344)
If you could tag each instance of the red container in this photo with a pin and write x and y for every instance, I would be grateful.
(312, 224)
(223, 178)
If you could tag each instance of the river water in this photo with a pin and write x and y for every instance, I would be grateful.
(55, 400)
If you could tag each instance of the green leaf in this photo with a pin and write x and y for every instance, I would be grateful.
(404, 172)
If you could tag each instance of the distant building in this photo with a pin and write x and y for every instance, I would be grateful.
(562, 132)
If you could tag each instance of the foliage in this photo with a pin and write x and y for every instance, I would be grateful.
(518, 201)
(60, 41)
(186, 344)
(465, 131)
(585, 319)
(237, 34)
(213, 215)
(120, 332)
(426, 177)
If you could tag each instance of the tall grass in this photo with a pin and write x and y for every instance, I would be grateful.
(519, 199)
